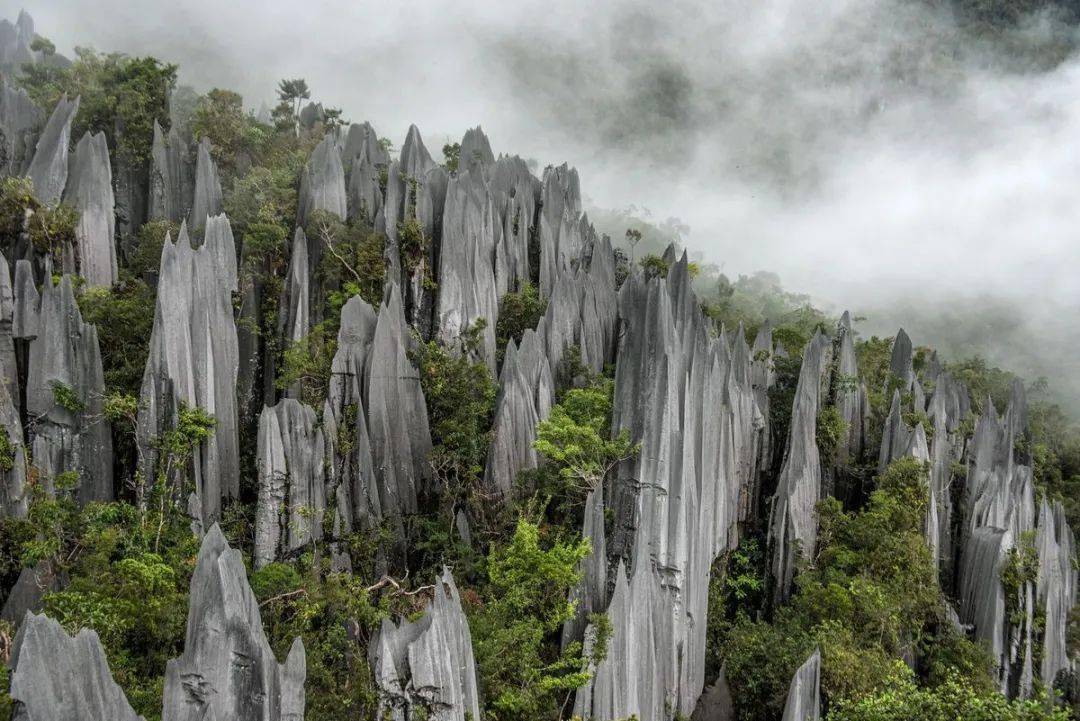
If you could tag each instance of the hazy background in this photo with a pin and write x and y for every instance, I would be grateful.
(880, 155)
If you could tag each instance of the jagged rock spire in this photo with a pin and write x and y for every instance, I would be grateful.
(322, 185)
(292, 485)
(804, 694)
(20, 119)
(901, 364)
(516, 193)
(475, 150)
(171, 177)
(425, 668)
(13, 501)
(89, 190)
(193, 361)
(228, 670)
(850, 394)
(65, 388)
(793, 525)
(57, 677)
(208, 197)
(560, 232)
(49, 167)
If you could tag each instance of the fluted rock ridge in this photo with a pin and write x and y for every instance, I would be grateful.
(89, 190)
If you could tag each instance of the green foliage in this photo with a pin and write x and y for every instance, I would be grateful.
(306, 365)
(451, 156)
(1021, 568)
(576, 438)
(120, 96)
(831, 431)
(516, 628)
(460, 395)
(124, 316)
(867, 596)
(66, 397)
(352, 259)
(150, 240)
(220, 117)
(16, 196)
(654, 266)
(52, 231)
(518, 311)
(900, 698)
(7, 451)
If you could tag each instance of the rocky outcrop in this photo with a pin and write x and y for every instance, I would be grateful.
(49, 168)
(24, 317)
(591, 594)
(361, 141)
(171, 177)
(208, 198)
(516, 193)
(228, 670)
(804, 694)
(425, 669)
(377, 414)
(322, 185)
(475, 150)
(15, 42)
(311, 114)
(294, 316)
(1055, 588)
(89, 190)
(676, 504)
(292, 484)
(466, 275)
(20, 121)
(793, 524)
(57, 677)
(65, 390)
(850, 395)
(193, 363)
(560, 232)
(949, 407)
(13, 501)
(901, 364)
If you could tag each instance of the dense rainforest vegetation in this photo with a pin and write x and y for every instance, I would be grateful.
(869, 597)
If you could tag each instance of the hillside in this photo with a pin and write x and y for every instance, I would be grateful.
(301, 420)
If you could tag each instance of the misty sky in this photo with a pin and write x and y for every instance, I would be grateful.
(866, 150)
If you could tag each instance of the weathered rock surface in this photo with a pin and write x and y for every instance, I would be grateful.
(793, 525)
(425, 669)
(65, 388)
(208, 198)
(1055, 588)
(850, 394)
(193, 362)
(49, 168)
(171, 177)
(475, 150)
(89, 190)
(292, 484)
(804, 695)
(20, 121)
(57, 677)
(560, 234)
(16, 40)
(228, 670)
(322, 185)
(24, 318)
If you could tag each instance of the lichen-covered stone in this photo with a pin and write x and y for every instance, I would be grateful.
(227, 669)
(89, 190)
(49, 168)
(425, 669)
(57, 677)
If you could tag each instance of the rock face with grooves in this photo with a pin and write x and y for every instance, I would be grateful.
(516, 193)
(677, 503)
(560, 239)
(377, 404)
(292, 484)
(793, 525)
(851, 395)
(20, 120)
(208, 198)
(16, 42)
(804, 695)
(171, 178)
(65, 388)
(57, 677)
(13, 501)
(901, 364)
(475, 150)
(227, 670)
(49, 168)
(322, 185)
(193, 362)
(1055, 588)
(89, 190)
(294, 316)
(425, 669)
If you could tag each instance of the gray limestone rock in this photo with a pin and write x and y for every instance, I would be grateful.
(292, 485)
(901, 363)
(228, 670)
(89, 190)
(361, 141)
(1055, 587)
(793, 525)
(57, 677)
(322, 185)
(16, 40)
(365, 195)
(20, 120)
(850, 397)
(715, 703)
(24, 318)
(193, 362)
(49, 168)
(560, 236)
(311, 114)
(804, 695)
(294, 316)
(171, 176)
(475, 150)
(208, 198)
(590, 595)
(65, 388)
(425, 669)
